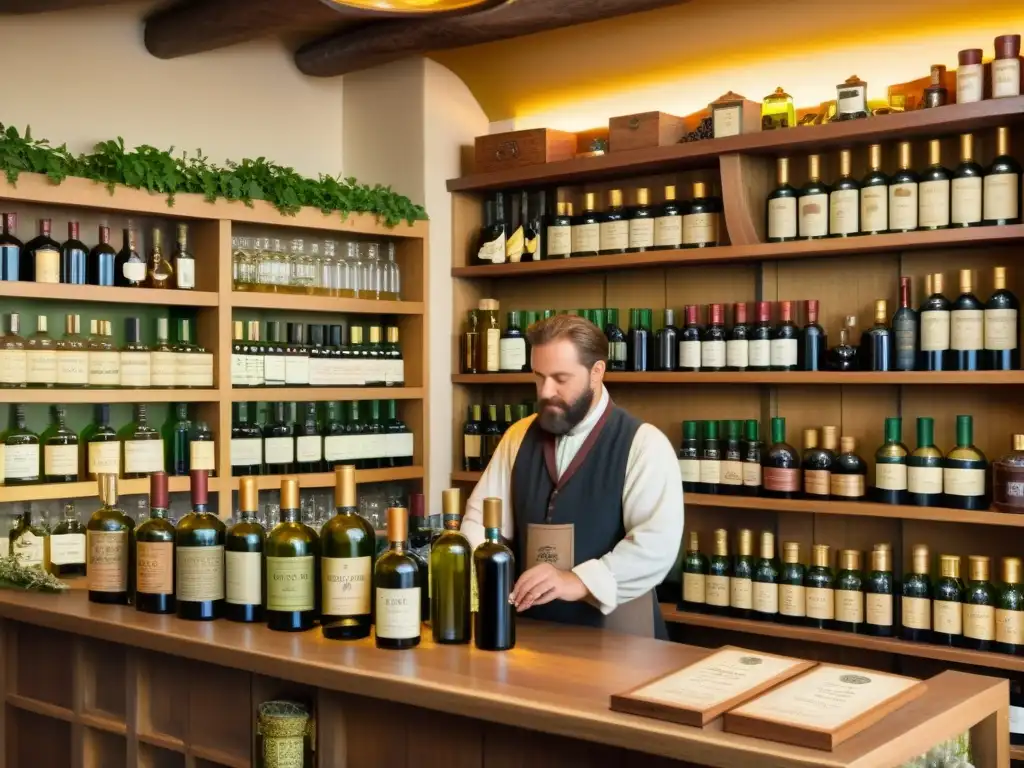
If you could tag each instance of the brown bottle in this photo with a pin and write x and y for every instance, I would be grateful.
(1008, 479)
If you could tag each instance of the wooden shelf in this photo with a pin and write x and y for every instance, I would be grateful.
(300, 303)
(846, 639)
(466, 477)
(163, 741)
(40, 707)
(220, 757)
(320, 394)
(326, 479)
(1016, 752)
(61, 292)
(87, 489)
(85, 395)
(922, 123)
(890, 378)
(104, 722)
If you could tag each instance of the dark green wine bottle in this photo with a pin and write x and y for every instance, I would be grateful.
(819, 589)
(347, 547)
(916, 598)
(176, 441)
(947, 602)
(849, 593)
(292, 566)
(766, 580)
(449, 574)
(716, 585)
(695, 571)
(878, 599)
(1010, 610)
(979, 606)
(494, 567)
(792, 599)
(891, 465)
(244, 575)
(741, 597)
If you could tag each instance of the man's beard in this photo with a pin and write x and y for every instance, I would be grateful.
(564, 416)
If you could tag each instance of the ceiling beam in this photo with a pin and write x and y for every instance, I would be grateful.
(387, 41)
(44, 6)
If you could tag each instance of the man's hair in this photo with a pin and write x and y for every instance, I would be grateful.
(589, 340)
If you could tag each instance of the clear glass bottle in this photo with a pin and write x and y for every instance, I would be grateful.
(346, 269)
(392, 276)
(41, 356)
(13, 357)
(238, 264)
(316, 266)
(329, 273)
(301, 270)
(159, 273)
(67, 544)
(104, 358)
(136, 362)
(374, 271)
(184, 262)
(266, 265)
(72, 355)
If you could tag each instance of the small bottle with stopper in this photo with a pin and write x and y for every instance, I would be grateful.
(843, 356)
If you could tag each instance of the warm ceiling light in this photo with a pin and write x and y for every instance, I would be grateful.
(411, 6)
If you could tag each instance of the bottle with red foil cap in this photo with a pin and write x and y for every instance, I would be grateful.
(760, 337)
(737, 346)
(10, 248)
(154, 552)
(73, 256)
(199, 556)
(784, 340)
(689, 341)
(712, 341)
(100, 269)
(813, 341)
(904, 331)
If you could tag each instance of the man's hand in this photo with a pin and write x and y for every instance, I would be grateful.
(544, 583)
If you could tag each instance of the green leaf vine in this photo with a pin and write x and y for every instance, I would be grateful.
(163, 172)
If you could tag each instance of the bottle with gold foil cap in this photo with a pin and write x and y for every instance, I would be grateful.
(1002, 326)
(1010, 610)
(849, 472)
(947, 602)
(449, 576)
(792, 600)
(876, 344)
(934, 323)
(812, 220)
(494, 616)
(293, 567)
(916, 594)
(347, 547)
(934, 191)
(641, 223)
(701, 218)
(817, 464)
(586, 228)
(614, 225)
(782, 216)
(878, 597)
(1008, 478)
(874, 195)
(716, 590)
(741, 597)
(243, 557)
(557, 243)
(965, 188)
(966, 327)
(766, 580)
(695, 572)
(903, 193)
(844, 200)
(819, 589)
(849, 592)
(668, 222)
(397, 584)
(108, 540)
(980, 598)
(1001, 189)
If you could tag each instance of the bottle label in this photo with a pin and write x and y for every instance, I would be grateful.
(924, 480)
(134, 271)
(963, 482)
(1002, 193)
(668, 231)
(586, 238)
(494, 250)
(474, 588)
(614, 235)
(13, 366)
(397, 614)
(700, 228)
(279, 450)
(813, 215)
(850, 486)
(105, 458)
(980, 621)
(21, 461)
(73, 368)
(817, 482)
(849, 606)
(760, 353)
(274, 369)
(934, 203)
(29, 549)
(874, 209)
(947, 617)
(617, 351)
(689, 354)
(398, 445)
(716, 591)
(1000, 328)
(394, 371)
(104, 369)
(243, 578)
(309, 448)
(741, 593)
(514, 246)
(67, 549)
(792, 601)
(291, 584)
(471, 445)
(737, 353)
(966, 202)
(136, 369)
(256, 371)
(296, 370)
(512, 354)
(559, 241)
(820, 604)
(346, 585)
(155, 567)
(185, 272)
(60, 460)
(879, 610)
(732, 473)
(844, 207)
(1009, 627)
(344, 447)
(782, 217)
(903, 205)
(1005, 78)
(107, 569)
(641, 233)
(143, 456)
(766, 597)
(690, 470)
(917, 612)
(47, 266)
(202, 454)
(694, 585)
(891, 477)
(781, 480)
(710, 471)
(970, 80)
(162, 369)
(492, 350)
(783, 352)
(906, 343)
(935, 331)
(41, 366)
(751, 474)
(200, 573)
(712, 354)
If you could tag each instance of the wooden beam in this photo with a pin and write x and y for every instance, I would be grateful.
(390, 40)
(44, 6)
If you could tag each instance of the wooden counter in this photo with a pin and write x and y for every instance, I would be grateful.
(105, 686)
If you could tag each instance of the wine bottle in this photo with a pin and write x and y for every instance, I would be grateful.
(816, 464)
(292, 566)
(614, 226)
(637, 353)
(903, 194)
(915, 601)
(844, 201)
(67, 544)
(103, 447)
(309, 444)
(741, 600)
(101, 269)
(716, 583)
(844, 356)
(668, 224)
(449, 574)
(60, 450)
(965, 189)
(21, 452)
(397, 586)
(904, 331)
(10, 248)
(737, 346)
(40, 356)
(813, 341)
(558, 243)
(712, 340)
(1010, 610)
(750, 450)
(108, 548)
(40, 257)
(586, 228)
(493, 234)
(279, 442)
(947, 603)
(199, 557)
(935, 327)
(876, 345)
(792, 600)
(160, 271)
(925, 468)
(472, 440)
(176, 439)
(1002, 327)
(347, 548)
(129, 266)
(812, 202)
(701, 218)
(760, 338)
(143, 446)
(689, 340)
(878, 599)
(874, 195)
(766, 581)
(849, 593)
(689, 458)
(13, 356)
(666, 344)
(818, 589)
(710, 459)
(732, 459)
(963, 471)
(980, 600)
(184, 264)
(154, 552)
(849, 472)
(933, 190)
(781, 465)
(494, 621)
(695, 572)
(891, 465)
(784, 343)
(782, 217)
(243, 558)
(966, 327)
(1001, 185)
(618, 350)
(512, 354)
(73, 257)
(246, 441)
(641, 223)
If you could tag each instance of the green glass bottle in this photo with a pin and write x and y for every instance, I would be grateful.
(792, 600)
(347, 548)
(21, 452)
(279, 442)
(67, 544)
(399, 451)
(154, 552)
(878, 598)
(695, 571)
(199, 557)
(689, 458)
(766, 580)
(375, 366)
(947, 602)
(494, 627)
(309, 443)
(980, 599)
(916, 598)
(143, 446)
(491, 434)
(103, 447)
(397, 586)
(716, 585)
(60, 450)
(819, 589)
(108, 548)
(292, 550)
(246, 441)
(244, 575)
(29, 541)
(375, 432)
(741, 600)
(334, 436)
(924, 468)
(176, 441)
(1010, 610)
(202, 450)
(891, 465)
(449, 574)
(964, 483)
(849, 593)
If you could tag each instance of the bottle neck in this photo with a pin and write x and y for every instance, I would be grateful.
(397, 546)
(159, 513)
(199, 509)
(348, 511)
(451, 522)
(289, 515)
(492, 534)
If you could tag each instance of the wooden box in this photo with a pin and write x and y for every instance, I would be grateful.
(516, 149)
(644, 130)
(732, 115)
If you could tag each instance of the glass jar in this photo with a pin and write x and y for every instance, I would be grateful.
(315, 265)
(1008, 479)
(392, 276)
(238, 257)
(344, 271)
(326, 270)
(360, 273)
(777, 111)
(300, 267)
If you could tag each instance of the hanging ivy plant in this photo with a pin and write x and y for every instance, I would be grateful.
(162, 172)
